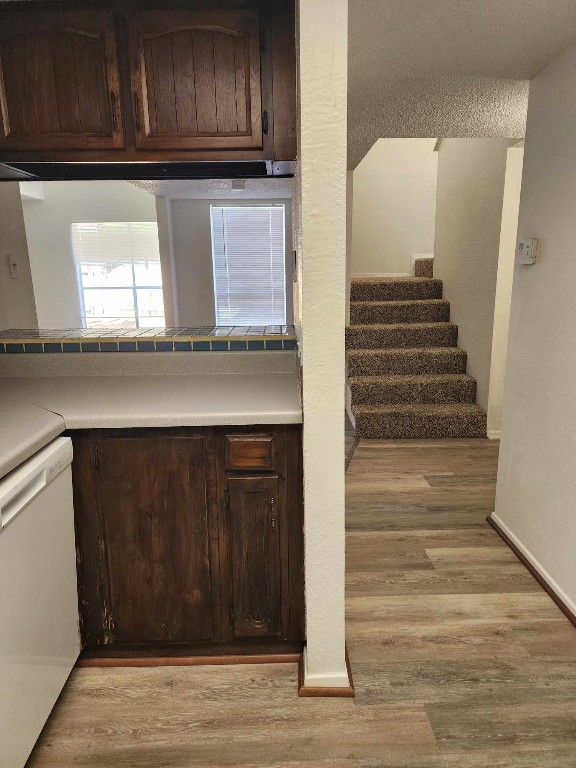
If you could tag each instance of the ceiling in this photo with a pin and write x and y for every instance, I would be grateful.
(218, 189)
(434, 38)
(419, 68)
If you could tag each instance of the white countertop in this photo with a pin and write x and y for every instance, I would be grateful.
(90, 402)
(24, 429)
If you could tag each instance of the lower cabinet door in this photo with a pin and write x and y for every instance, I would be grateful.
(153, 496)
(253, 508)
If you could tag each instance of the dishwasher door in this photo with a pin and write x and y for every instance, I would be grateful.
(39, 637)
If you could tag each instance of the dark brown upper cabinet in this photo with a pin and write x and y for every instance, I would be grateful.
(196, 80)
(59, 82)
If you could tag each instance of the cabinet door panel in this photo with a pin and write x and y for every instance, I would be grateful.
(255, 556)
(196, 79)
(59, 82)
(153, 497)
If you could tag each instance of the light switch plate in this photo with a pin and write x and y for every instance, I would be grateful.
(13, 265)
(526, 251)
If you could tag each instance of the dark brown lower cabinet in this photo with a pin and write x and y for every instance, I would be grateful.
(184, 545)
(255, 563)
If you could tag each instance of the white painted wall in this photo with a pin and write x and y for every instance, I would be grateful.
(17, 306)
(470, 193)
(508, 237)
(192, 257)
(323, 38)
(394, 206)
(48, 223)
(536, 488)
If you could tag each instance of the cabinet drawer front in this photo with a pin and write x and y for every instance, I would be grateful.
(250, 451)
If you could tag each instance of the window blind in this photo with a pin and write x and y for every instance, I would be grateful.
(249, 264)
(116, 241)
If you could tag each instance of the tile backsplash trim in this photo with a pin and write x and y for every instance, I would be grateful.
(205, 339)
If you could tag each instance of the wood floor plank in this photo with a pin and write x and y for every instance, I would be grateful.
(460, 660)
(412, 580)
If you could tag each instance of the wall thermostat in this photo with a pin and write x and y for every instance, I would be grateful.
(526, 251)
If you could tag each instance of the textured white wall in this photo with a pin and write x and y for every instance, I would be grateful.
(510, 209)
(536, 486)
(323, 36)
(17, 306)
(49, 241)
(468, 220)
(394, 206)
(446, 106)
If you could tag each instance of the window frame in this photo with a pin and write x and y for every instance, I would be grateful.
(134, 288)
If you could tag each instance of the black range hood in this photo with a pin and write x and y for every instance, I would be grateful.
(225, 169)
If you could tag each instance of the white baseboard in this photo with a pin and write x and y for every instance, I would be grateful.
(535, 563)
(334, 680)
(493, 434)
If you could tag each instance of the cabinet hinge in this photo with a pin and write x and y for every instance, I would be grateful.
(263, 39)
(97, 459)
(232, 614)
(265, 125)
(227, 500)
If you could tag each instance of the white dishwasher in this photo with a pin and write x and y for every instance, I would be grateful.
(39, 637)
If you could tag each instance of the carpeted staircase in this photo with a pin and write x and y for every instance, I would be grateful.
(407, 376)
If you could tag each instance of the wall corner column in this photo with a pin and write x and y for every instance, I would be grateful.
(323, 53)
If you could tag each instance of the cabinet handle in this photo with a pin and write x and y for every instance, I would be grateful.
(265, 122)
(114, 114)
(273, 508)
(136, 110)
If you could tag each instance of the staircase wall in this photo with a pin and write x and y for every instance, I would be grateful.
(393, 207)
(536, 479)
(470, 191)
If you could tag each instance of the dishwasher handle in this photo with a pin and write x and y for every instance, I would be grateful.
(23, 495)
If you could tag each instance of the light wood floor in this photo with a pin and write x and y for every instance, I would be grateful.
(460, 660)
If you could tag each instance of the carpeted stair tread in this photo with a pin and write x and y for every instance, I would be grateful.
(423, 388)
(409, 311)
(420, 421)
(419, 360)
(394, 335)
(395, 289)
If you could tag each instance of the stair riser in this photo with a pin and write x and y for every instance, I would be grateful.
(393, 338)
(396, 291)
(363, 314)
(407, 427)
(423, 267)
(390, 363)
(387, 394)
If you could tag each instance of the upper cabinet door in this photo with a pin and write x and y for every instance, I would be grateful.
(59, 82)
(196, 79)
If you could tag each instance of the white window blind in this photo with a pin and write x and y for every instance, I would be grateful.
(249, 264)
(120, 273)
